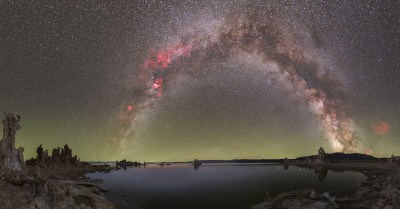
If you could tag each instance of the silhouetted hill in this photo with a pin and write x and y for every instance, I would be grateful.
(345, 156)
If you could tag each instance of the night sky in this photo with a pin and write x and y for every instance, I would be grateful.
(178, 80)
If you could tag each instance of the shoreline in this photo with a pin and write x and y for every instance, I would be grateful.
(55, 187)
(352, 165)
(380, 190)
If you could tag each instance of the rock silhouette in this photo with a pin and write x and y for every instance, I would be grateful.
(11, 159)
(196, 164)
(320, 156)
(59, 157)
(394, 160)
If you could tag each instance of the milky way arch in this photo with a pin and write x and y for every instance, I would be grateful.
(262, 35)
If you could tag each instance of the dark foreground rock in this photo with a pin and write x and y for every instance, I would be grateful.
(45, 183)
(381, 190)
(54, 188)
(11, 158)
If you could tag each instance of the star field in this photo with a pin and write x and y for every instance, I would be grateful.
(241, 79)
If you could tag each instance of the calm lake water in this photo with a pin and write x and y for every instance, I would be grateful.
(215, 186)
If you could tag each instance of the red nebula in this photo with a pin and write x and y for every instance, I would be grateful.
(381, 127)
(129, 108)
(159, 93)
(157, 83)
(162, 59)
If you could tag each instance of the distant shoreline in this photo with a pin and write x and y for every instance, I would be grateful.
(346, 165)
(204, 161)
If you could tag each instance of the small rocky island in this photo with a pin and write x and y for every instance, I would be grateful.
(124, 163)
(196, 164)
(46, 182)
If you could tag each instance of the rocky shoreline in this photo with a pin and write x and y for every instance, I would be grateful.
(59, 188)
(45, 182)
(380, 190)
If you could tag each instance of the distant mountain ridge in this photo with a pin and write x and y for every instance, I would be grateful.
(344, 156)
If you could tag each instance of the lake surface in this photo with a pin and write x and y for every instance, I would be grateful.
(215, 186)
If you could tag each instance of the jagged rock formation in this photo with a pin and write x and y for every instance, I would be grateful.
(394, 160)
(196, 164)
(59, 157)
(43, 191)
(11, 159)
(124, 163)
(321, 156)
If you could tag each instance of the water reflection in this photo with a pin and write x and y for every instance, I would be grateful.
(286, 166)
(322, 172)
(234, 186)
